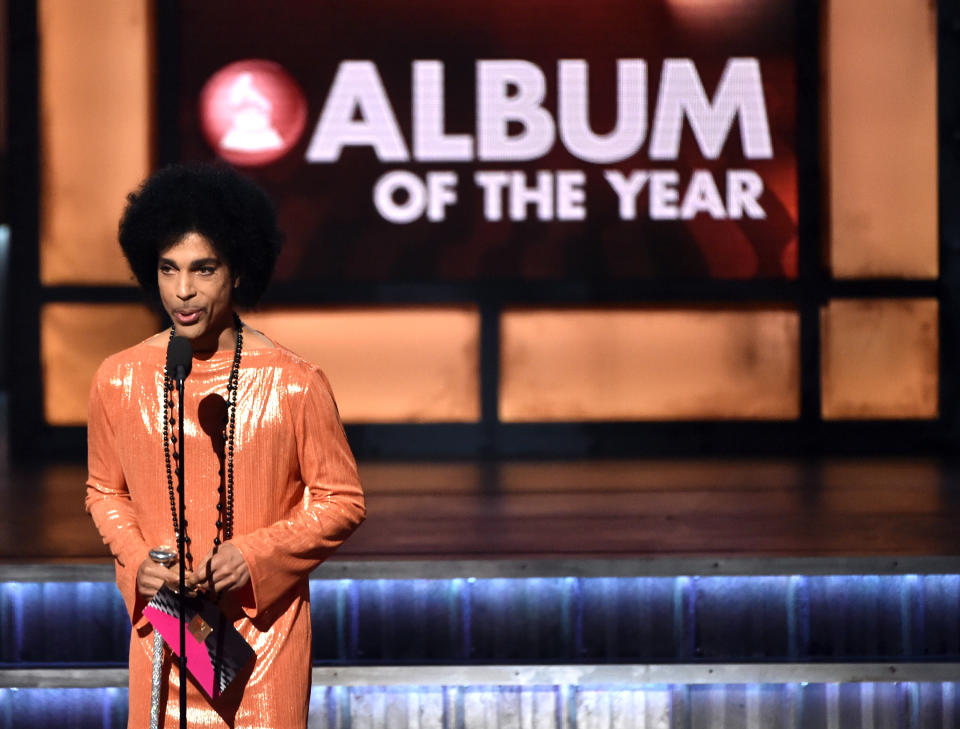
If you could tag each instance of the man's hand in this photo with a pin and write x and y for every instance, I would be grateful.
(151, 576)
(222, 570)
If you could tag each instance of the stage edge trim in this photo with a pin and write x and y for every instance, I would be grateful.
(542, 675)
(581, 567)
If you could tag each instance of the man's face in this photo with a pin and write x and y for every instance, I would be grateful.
(196, 289)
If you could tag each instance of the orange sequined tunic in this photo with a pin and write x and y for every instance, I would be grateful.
(296, 498)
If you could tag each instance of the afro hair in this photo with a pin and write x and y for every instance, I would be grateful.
(231, 211)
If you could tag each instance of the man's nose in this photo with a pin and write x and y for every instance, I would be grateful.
(185, 288)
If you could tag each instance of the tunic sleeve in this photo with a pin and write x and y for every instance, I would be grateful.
(283, 553)
(108, 502)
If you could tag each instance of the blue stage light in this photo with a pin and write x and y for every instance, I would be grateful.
(738, 706)
(546, 619)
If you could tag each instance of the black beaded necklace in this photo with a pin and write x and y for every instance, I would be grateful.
(224, 520)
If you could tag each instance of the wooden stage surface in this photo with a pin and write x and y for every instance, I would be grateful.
(596, 509)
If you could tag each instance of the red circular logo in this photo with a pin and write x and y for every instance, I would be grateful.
(252, 112)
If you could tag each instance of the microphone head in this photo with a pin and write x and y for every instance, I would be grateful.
(179, 357)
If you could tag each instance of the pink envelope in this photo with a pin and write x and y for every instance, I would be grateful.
(216, 652)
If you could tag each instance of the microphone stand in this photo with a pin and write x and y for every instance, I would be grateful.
(181, 550)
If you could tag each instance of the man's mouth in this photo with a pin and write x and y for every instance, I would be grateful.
(187, 316)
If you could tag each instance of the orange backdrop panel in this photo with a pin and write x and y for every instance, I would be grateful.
(95, 132)
(388, 365)
(881, 100)
(646, 364)
(880, 358)
(74, 340)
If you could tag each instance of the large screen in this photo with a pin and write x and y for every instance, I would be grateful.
(546, 140)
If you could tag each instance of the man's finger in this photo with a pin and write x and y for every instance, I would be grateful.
(203, 573)
(171, 579)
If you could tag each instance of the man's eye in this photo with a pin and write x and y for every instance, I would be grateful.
(166, 269)
(208, 270)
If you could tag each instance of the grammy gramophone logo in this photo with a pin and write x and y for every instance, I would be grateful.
(252, 112)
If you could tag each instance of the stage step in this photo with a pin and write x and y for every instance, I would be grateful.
(555, 697)
(582, 644)
(534, 615)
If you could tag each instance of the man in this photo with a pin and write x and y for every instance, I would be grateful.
(271, 485)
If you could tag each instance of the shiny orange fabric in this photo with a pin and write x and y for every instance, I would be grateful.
(297, 497)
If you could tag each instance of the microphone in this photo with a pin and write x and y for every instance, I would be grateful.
(179, 361)
(179, 357)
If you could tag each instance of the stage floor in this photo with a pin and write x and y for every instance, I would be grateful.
(751, 508)
(596, 509)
